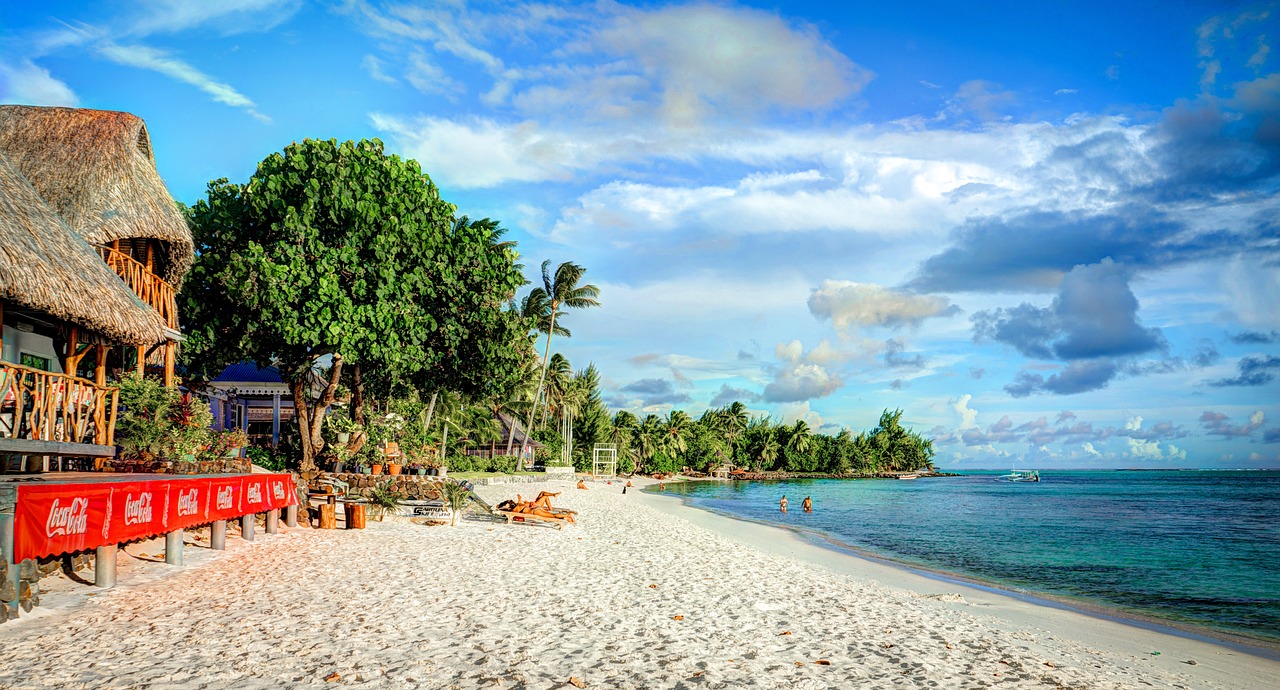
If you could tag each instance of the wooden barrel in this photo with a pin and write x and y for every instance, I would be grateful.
(328, 516)
(355, 515)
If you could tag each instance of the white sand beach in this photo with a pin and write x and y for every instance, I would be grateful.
(642, 593)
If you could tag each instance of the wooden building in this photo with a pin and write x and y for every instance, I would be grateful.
(92, 249)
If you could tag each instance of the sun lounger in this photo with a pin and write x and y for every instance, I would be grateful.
(529, 518)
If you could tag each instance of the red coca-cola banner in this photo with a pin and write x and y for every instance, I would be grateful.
(62, 518)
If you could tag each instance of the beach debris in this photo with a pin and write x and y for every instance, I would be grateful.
(332, 677)
(677, 618)
(822, 662)
(784, 632)
(1190, 662)
(1155, 654)
(799, 663)
(577, 682)
(887, 645)
(653, 586)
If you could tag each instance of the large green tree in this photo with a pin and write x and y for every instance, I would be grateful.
(338, 251)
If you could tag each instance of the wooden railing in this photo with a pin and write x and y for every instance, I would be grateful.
(150, 287)
(43, 406)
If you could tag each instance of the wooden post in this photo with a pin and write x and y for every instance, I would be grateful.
(168, 363)
(218, 535)
(291, 516)
(100, 365)
(246, 526)
(173, 547)
(273, 521)
(1, 327)
(328, 516)
(355, 515)
(69, 358)
(104, 567)
(9, 584)
(141, 364)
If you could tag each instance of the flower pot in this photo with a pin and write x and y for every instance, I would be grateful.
(431, 471)
(421, 471)
(442, 472)
(337, 467)
(344, 437)
(362, 469)
(232, 453)
(375, 468)
(393, 468)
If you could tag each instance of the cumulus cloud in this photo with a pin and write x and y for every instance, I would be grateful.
(1219, 424)
(852, 305)
(1077, 377)
(729, 394)
(30, 84)
(982, 100)
(799, 381)
(1254, 371)
(895, 355)
(968, 416)
(1092, 320)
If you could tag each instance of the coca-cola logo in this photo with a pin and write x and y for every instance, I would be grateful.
(137, 509)
(254, 493)
(277, 488)
(188, 502)
(68, 519)
(226, 495)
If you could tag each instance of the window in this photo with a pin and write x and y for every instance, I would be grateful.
(27, 359)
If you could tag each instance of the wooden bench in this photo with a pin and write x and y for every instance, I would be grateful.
(529, 518)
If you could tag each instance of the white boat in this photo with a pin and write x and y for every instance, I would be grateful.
(908, 476)
(1020, 476)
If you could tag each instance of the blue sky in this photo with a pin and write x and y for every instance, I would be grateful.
(1048, 231)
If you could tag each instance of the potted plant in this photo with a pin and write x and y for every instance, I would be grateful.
(342, 425)
(375, 467)
(383, 501)
(455, 495)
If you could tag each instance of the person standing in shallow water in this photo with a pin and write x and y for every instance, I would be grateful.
(782, 505)
(807, 505)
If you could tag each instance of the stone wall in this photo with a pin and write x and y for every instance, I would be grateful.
(407, 486)
(219, 466)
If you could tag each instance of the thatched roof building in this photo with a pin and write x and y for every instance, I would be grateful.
(97, 171)
(47, 267)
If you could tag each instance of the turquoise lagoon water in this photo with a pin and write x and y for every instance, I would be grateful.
(1198, 548)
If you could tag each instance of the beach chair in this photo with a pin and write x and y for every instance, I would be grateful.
(529, 519)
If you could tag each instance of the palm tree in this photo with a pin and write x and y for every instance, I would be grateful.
(649, 440)
(562, 290)
(734, 421)
(800, 437)
(676, 432)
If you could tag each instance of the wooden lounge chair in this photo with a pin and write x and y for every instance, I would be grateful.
(529, 518)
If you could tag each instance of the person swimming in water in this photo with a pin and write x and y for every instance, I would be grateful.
(807, 505)
(782, 505)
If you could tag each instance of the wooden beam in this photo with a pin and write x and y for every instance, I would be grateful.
(22, 446)
(1, 327)
(141, 364)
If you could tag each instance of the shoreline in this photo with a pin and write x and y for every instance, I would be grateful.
(1254, 646)
(1251, 665)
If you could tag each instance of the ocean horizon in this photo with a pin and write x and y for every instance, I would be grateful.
(1189, 548)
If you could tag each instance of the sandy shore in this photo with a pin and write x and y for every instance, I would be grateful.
(643, 593)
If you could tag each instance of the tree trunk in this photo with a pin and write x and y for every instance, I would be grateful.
(357, 412)
(546, 356)
(310, 418)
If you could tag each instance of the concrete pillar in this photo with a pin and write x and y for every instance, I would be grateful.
(218, 535)
(6, 552)
(104, 567)
(173, 547)
(275, 420)
(291, 516)
(246, 526)
(273, 521)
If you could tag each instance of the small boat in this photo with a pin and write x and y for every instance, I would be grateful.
(908, 476)
(1020, 476)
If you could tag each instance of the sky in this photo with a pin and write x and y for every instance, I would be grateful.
(1047, 231)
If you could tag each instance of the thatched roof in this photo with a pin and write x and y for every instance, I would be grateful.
(46, 266)
(95, 168)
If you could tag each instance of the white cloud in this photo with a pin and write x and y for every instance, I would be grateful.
(145, 57)
(852, 305)
(1251, 286)
(968, 415)
(428, 78)
(225, 16)
(374, 67)
(27, 83)
(790, 413)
